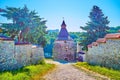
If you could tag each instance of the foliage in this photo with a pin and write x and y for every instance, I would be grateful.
(33, 72)
(113, 74)
(37, 34)
(21, 76)
(9, 30)
(114, 29)
(50, 37)
(26, 24)
(96, 27)
(42, 62)
(76, 36)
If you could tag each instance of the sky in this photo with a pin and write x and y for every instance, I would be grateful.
(75, 12)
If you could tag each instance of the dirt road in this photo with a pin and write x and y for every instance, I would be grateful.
(67, 72)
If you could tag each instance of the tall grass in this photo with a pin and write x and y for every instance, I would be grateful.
(112, 74)
(33, 72)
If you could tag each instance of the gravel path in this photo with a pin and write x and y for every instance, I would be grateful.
(67, 72)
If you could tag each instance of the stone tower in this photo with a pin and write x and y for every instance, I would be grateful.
(64, 46)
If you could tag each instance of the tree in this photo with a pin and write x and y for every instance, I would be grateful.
(97, 26)
(27, 25)
(76, 36)
(114, 29)
(51, 36)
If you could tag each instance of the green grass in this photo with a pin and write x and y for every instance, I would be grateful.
(33, 72)
(110, 73)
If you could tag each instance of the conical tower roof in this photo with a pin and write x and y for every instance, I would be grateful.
(63, 24)
(63, 34)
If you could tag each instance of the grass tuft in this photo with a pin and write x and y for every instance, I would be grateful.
(110, 73)
(32, 72)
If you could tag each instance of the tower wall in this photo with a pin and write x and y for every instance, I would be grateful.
(64, 51)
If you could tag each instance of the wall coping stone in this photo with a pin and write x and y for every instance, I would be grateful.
(22, 43)
(113, 36)
(5, 38)
(89, 46)
(95, 44)
(101, 40)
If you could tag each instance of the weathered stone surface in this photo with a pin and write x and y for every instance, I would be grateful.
(64, 50)
(105, 54)
(22, 54)
(37, 54)
(7, 58)
(16, 56)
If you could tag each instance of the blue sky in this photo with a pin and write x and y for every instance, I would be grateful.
(75, 12)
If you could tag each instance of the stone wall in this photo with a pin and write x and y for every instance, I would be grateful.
(7, 57)
(37, 54)
(22, 54)
(106, 53)
(14, 56)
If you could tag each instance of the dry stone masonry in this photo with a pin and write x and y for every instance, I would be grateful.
(7, 57)
(14, 56)
(105, 52)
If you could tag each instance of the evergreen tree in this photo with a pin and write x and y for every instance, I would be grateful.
(97, 26)
(27, 25)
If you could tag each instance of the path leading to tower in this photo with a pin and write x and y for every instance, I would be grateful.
(67, 72)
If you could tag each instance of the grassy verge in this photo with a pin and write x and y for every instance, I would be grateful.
(33, 72)
(110, 73)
